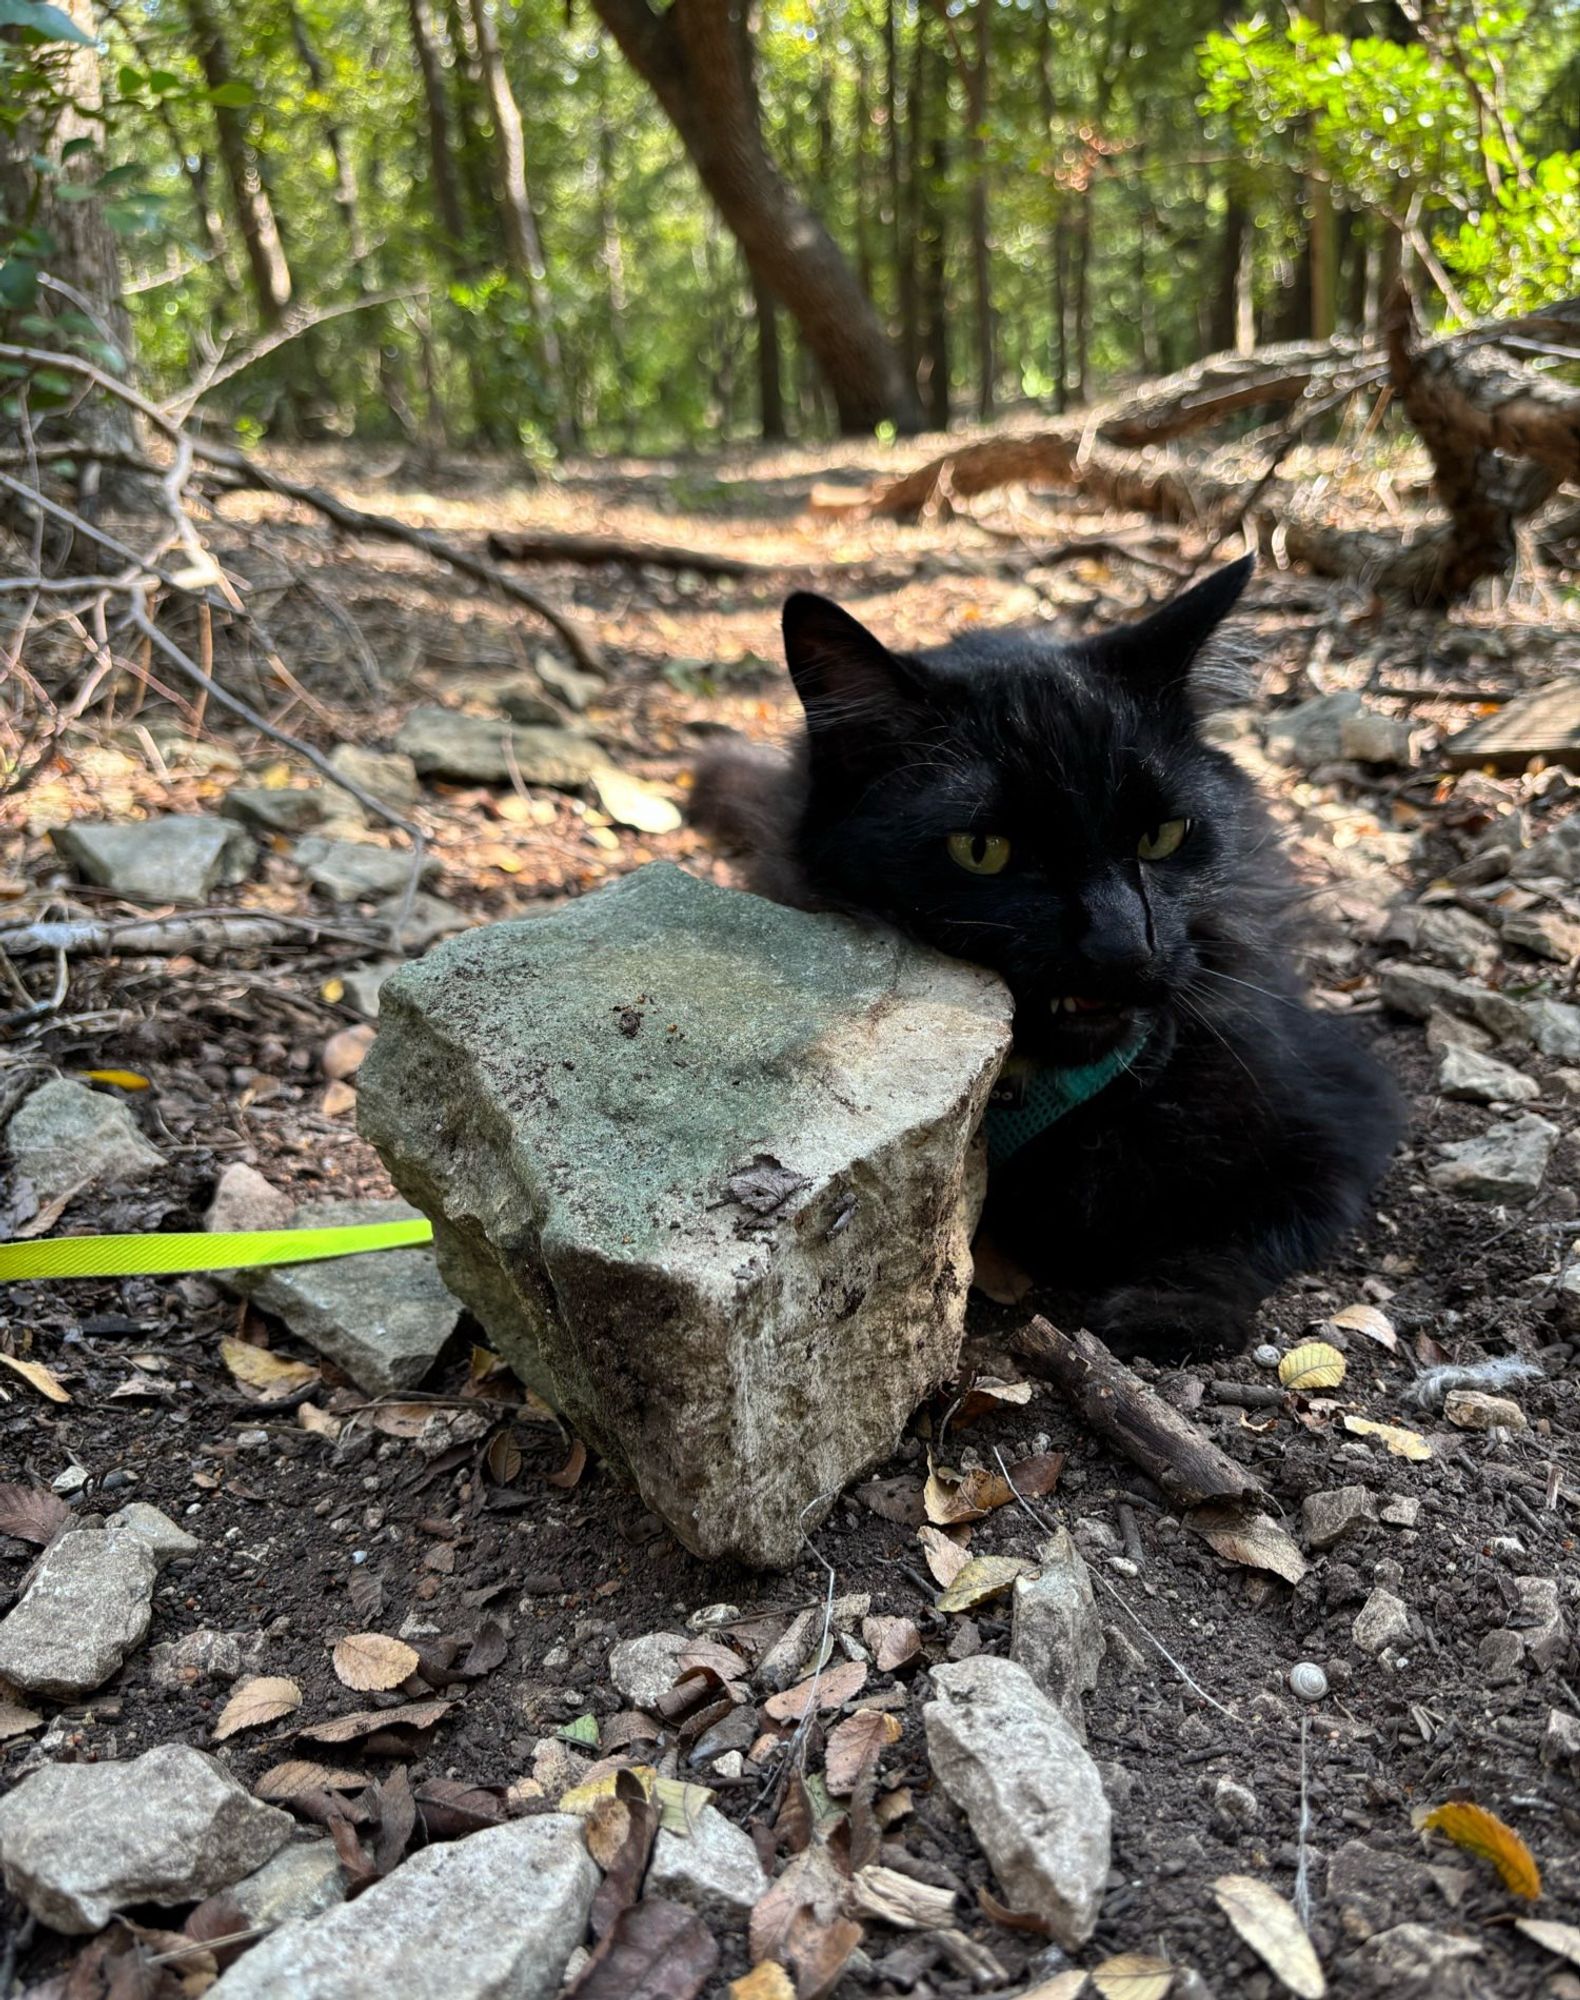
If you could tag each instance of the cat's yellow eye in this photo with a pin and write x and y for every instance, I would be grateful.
(979, 853)
(1159, 842)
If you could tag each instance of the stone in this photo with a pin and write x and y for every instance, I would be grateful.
(660, 1162)
(364, 984)
(472, 749)
(384, 1319)
(158, 1530)
(302, 1880)
(1236, 1804)
(1414, 1958)
(1475, 1410)
(712, 1867)
(1561, 1741)
(1313, 732)
(1382, 1621)
(1056, 1633)
(244, 1200)
(88, 1606)
(386, 775)
(1482, 1079)
(1541, 1620)
(1418, 989)
(1555, 1028)
(354, 871)
(494, 1916)
(1448, 1031)
(1367, 1885)
(179, 858)
(1544, 934)
(1507, 1163)
(80, 1841)
(428, 919)
(644, 1670)
(1400, 1510)
(1004, 1754)
(1370, 738)
(1555, 855)
(1443, 936)
(204, 1655)
(66, 1137)
(1499, 1657)
(573, 687)
(630, 802)
(288, 809)
(1326, 1518)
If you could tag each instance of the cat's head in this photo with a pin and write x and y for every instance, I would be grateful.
(1047, 809)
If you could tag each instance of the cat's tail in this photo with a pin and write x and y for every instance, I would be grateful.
(749, 797)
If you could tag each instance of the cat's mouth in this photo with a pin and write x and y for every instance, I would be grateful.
(1077, 1003)
(1080, 1027)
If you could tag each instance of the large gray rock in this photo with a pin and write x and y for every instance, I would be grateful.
(1544, 934)
(181, 858)
(1508, 1163)
(1555, 1029)
(1313, 732)
(353, 871)
(703, 1167)
(270, 809)
(89, 1604)
(1056, 1634)
(1482, 1079)
(384, 1317)
(1444, 936)
(1419, 989)
(711, 1867)
(80, 1841)
(1008, 1759)
(473, 748)
(492, 1917)
(66, 1136)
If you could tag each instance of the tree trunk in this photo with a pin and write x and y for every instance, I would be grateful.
(935, 252)
(266, 262)
(859, 173)
(770, 395)
(441, 161)
(347, 199)
(695, 56)
(902, 240)
(981, 253)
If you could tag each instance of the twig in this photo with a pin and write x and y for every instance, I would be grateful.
(159, 937)
(299, 321)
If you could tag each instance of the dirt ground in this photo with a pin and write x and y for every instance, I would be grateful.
(305, 1536)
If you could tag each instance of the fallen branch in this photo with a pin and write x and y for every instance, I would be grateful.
(1120, 1407)
(542, 546)
(164, 937)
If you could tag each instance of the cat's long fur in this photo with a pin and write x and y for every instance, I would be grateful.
(1244, 1142)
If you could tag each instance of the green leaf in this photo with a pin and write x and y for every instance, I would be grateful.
(74, 147)
(583, 1730)
(128, 80)
(233, 96)
(162, 81)
(46, 23)
(18, 283)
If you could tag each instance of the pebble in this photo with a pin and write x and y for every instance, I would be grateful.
(1056, 1634)
(644, 1669)
(1507, 1163)
(1475, 1410)
(712, 1867)
(1382, 1621)
(1326, 1518)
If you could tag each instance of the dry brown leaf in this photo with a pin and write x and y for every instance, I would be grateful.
(981, 1578)
(606, 1829)
(987, 1395)
(300, 1774)
(946, 1558)
(1062, 1986)
(31, 1513)
(255, 1702)
(1245, 1536)
(341, 1056)
(15, 1719)
(573, 1468)
(996, 1275)
(420, 1715)
(952, 1497)
(267, 1375)
(43, 1379)
(407, 1419)
(1370, 1324)
(893, 1642)
(1314, 1364)
(1562, 1940)
(899, 1899)
(503, 1458)
(764, 1982)
(319, 1422)
(1401, 1442)
(1270, 1927)
(369, 1660)
(1478, 1831)
(1133, 1975)
(857, 1741)
(831, 1688)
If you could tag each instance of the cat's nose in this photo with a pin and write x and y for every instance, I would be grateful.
(1117, 942)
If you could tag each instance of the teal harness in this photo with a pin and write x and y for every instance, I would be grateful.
(1029, 1097)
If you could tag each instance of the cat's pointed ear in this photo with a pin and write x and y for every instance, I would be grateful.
(846, 678)
(1159, 650)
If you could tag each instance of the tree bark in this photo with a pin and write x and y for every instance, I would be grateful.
(902, 241)
(981, 250)
(770, 393)
(933, 116)
(441, 161)
(347, 197)
(266, 260)
(695, 58)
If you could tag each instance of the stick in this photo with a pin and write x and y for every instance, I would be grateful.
(541, 546)
(1120, 1407)
(161, 937)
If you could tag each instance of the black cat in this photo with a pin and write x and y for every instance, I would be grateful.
(1178, 1130)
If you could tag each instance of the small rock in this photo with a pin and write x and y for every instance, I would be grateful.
(1475, 1410)
(1544, 934)
(573, 687)
(471, 748)
(644, 1670)
(180, 858)
(1499, 1657)
(1370, 738)
(1236, 1803)
(1056, 1634)
(1561, 1741)
(80, 1841)
(1005, 1755)
(782, 1663)
(354, 871)
(385, 774)
(385, 1320)
(302, 1880)
(203, 1655)
(1555, 1029)
(1555, 855)
(1400, 1510)
(712, 1867)
(428, 919)
(88, 1606)
(710, 1616)
(1419, 989)
(1326, 1518)
(67, 1136)
(244, 1200)
(1094, 1537)
(158, 1530)
(1542, 1624)
(523, 699)
(1414, 1958)
(557, 1767)
(1382, 1621)
(1444, 936)
(1507, 1163)
(1448, 1031)
(1312, 733)
(495, 1916)
(286, 810)
(1482, 1079)
(364, 984)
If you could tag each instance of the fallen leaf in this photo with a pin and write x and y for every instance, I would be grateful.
(620, 1831)
(829, 1689)
(418, 1715)
(893, 1642)
(946, 1558)
(859, 1740)
(983, 1577)
(1401, 1442)
(1011, 1920)
(268, 1375)
(996, 1275)
(898, 1499)
(629, 802)
(1133, 1975)
(1312, 1365)
(1562, 1940)
(141, 1388)
(333, 990)
(300, 1774)
(490, 1643)
(503, 1458)
(679, 1804)
(15, 1719)
(1478, 1831)
(341, 1056)
(1250, 1538)
(1370, 1323)
(255, 1702)
(118, 1079)
(985, 1396)
(403, 1419)
(43, 1379)
(450, 1809)
(656, 1951)
(953, 1497)
(368, 1660)
(571, 1471)
(31, 1513)
(397, 1820)
(1062, 1986)
(319, 1422)
(584, 1730)
(1270, 1927)
(764, 1982)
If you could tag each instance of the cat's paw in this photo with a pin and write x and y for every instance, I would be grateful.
(1169, 1324)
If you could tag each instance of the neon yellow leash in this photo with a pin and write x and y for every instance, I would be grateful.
(138, 1256)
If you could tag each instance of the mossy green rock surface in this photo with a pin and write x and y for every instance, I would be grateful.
(705, 1169)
